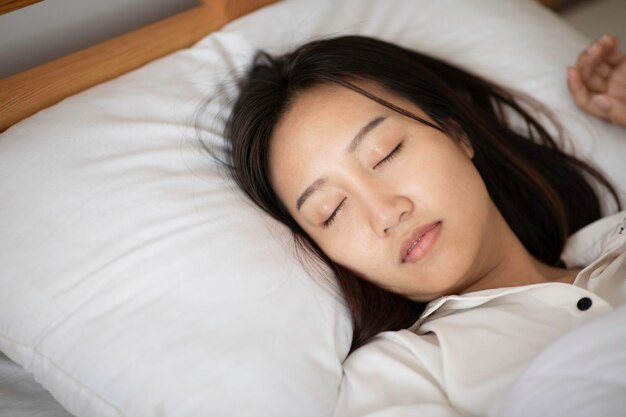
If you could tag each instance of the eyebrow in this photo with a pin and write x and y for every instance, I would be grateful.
(358, 138)
(310, 190)
(364, 131)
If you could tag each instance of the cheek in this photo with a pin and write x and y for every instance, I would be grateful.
(463, 197)
(351, 247)
(452, 183)
(470, 212)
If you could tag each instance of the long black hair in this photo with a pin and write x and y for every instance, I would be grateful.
(543, 193)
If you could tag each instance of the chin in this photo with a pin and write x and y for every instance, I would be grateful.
(427, 298)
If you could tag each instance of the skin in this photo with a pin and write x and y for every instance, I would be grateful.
(431, 178)
(598, 80)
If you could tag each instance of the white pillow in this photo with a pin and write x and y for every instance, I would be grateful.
(135, 281)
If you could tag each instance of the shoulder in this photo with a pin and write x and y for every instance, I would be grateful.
(393, 370)
(398, 344)
(401, 354)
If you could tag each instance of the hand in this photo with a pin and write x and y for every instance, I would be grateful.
(598, 82)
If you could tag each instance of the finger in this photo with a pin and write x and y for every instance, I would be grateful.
(576, 88)
(604, 69)
(615, 108)
(582, 96)
(589, 62)
(597, 79)
(612, 54)
(596, 84)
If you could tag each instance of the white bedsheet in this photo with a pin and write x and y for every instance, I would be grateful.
(22, 396)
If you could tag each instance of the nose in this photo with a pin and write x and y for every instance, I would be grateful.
(387, 210)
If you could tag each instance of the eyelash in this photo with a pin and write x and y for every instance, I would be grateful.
(391, 155)
(331, 219)
(328, 222)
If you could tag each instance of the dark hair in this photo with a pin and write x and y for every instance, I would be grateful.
(541, 191)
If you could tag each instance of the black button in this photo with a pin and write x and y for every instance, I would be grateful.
(584, 303)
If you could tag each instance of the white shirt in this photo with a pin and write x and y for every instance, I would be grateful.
(465, 352)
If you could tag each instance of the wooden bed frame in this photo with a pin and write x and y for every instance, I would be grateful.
(25, 93)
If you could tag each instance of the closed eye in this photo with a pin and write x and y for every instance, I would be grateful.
(390, 156)
(329, 221)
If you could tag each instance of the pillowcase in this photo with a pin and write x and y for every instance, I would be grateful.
(136, 280)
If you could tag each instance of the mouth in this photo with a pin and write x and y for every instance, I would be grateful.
(419, 242)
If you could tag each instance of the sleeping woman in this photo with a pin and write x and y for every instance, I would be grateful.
(463, 239)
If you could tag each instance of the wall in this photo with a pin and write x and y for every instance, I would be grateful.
(53, 28)
(595, 18)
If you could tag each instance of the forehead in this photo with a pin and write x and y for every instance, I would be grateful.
(327, 108)
(333, 111)
(320, 116)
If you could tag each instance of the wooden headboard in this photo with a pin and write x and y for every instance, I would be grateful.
(25, 93)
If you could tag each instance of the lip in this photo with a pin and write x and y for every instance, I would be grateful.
(419, 242)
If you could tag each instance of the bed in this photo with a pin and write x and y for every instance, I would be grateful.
(134, 279)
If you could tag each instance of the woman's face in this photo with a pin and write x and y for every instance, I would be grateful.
(397, 202)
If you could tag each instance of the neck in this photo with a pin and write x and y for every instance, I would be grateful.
(509, 264)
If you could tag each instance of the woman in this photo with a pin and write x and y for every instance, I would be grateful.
(441, 215)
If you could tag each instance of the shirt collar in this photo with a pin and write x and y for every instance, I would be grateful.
(469, 300)
(582, 248)
(588, 243)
